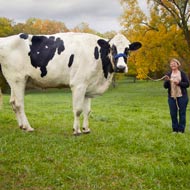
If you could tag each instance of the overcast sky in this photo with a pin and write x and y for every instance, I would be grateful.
(101, 15)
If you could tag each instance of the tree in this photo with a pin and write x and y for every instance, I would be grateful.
(19, 28)
(161, 37)
(179, 10)
(38, 26)
(6, 28)
(83, 27)
(132, 15)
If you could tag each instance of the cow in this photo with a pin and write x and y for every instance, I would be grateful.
(85, 62)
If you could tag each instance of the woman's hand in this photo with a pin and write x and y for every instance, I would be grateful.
(167, 78)
(176, 82)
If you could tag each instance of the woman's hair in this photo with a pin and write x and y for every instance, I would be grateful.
(175, 60)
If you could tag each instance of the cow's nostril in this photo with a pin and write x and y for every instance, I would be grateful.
(120, 68)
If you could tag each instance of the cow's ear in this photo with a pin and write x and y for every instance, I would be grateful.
(104, 44)
(134, 46)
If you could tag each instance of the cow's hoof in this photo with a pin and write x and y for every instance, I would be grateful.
(26, 129)
(85, 131)
(29, 129)
(77, 133)
(22, 128)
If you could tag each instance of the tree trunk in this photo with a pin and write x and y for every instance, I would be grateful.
(187, 37)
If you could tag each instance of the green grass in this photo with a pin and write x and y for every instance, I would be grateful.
(130, 147)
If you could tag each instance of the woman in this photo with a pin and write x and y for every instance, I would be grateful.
(177, 83)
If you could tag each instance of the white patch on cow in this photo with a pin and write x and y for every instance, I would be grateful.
(121, 42)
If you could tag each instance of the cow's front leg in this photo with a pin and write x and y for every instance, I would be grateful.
(76, 125)
(78, 94)
(86, 112)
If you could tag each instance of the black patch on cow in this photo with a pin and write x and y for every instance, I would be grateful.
(71, 58)
(114, 50)
(126, 52)
(43, 49)
(114, 53)
(106, 62)
(96, 53)
(24, 36)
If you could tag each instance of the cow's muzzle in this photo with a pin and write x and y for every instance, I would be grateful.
(120, 69)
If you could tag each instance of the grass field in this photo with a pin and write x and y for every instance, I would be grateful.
(131, 146)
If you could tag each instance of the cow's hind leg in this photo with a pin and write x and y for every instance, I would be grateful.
(17, 102)
(86, 112)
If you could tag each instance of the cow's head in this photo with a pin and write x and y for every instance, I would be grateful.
(120, 48)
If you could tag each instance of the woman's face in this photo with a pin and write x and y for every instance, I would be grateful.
(174, 65)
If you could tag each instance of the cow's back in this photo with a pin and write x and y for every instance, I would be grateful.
(54, 60)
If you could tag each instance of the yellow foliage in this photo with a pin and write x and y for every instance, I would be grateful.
(38, 26)
(160, 36)
(6, 28)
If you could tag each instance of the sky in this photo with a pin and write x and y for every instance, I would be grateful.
(101, 15)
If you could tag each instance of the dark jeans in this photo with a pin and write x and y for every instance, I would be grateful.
(178, 126)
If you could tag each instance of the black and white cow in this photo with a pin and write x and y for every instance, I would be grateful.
(83, 61)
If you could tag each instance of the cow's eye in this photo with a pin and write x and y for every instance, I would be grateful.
(114, 50)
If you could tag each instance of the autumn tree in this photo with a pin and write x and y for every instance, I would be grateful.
(19, 28)
(6, 28)
(84, 28)
(132, 15)
(108, 35)
(39, 26)
(161, 37)
(179, 10)
(176, 13)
